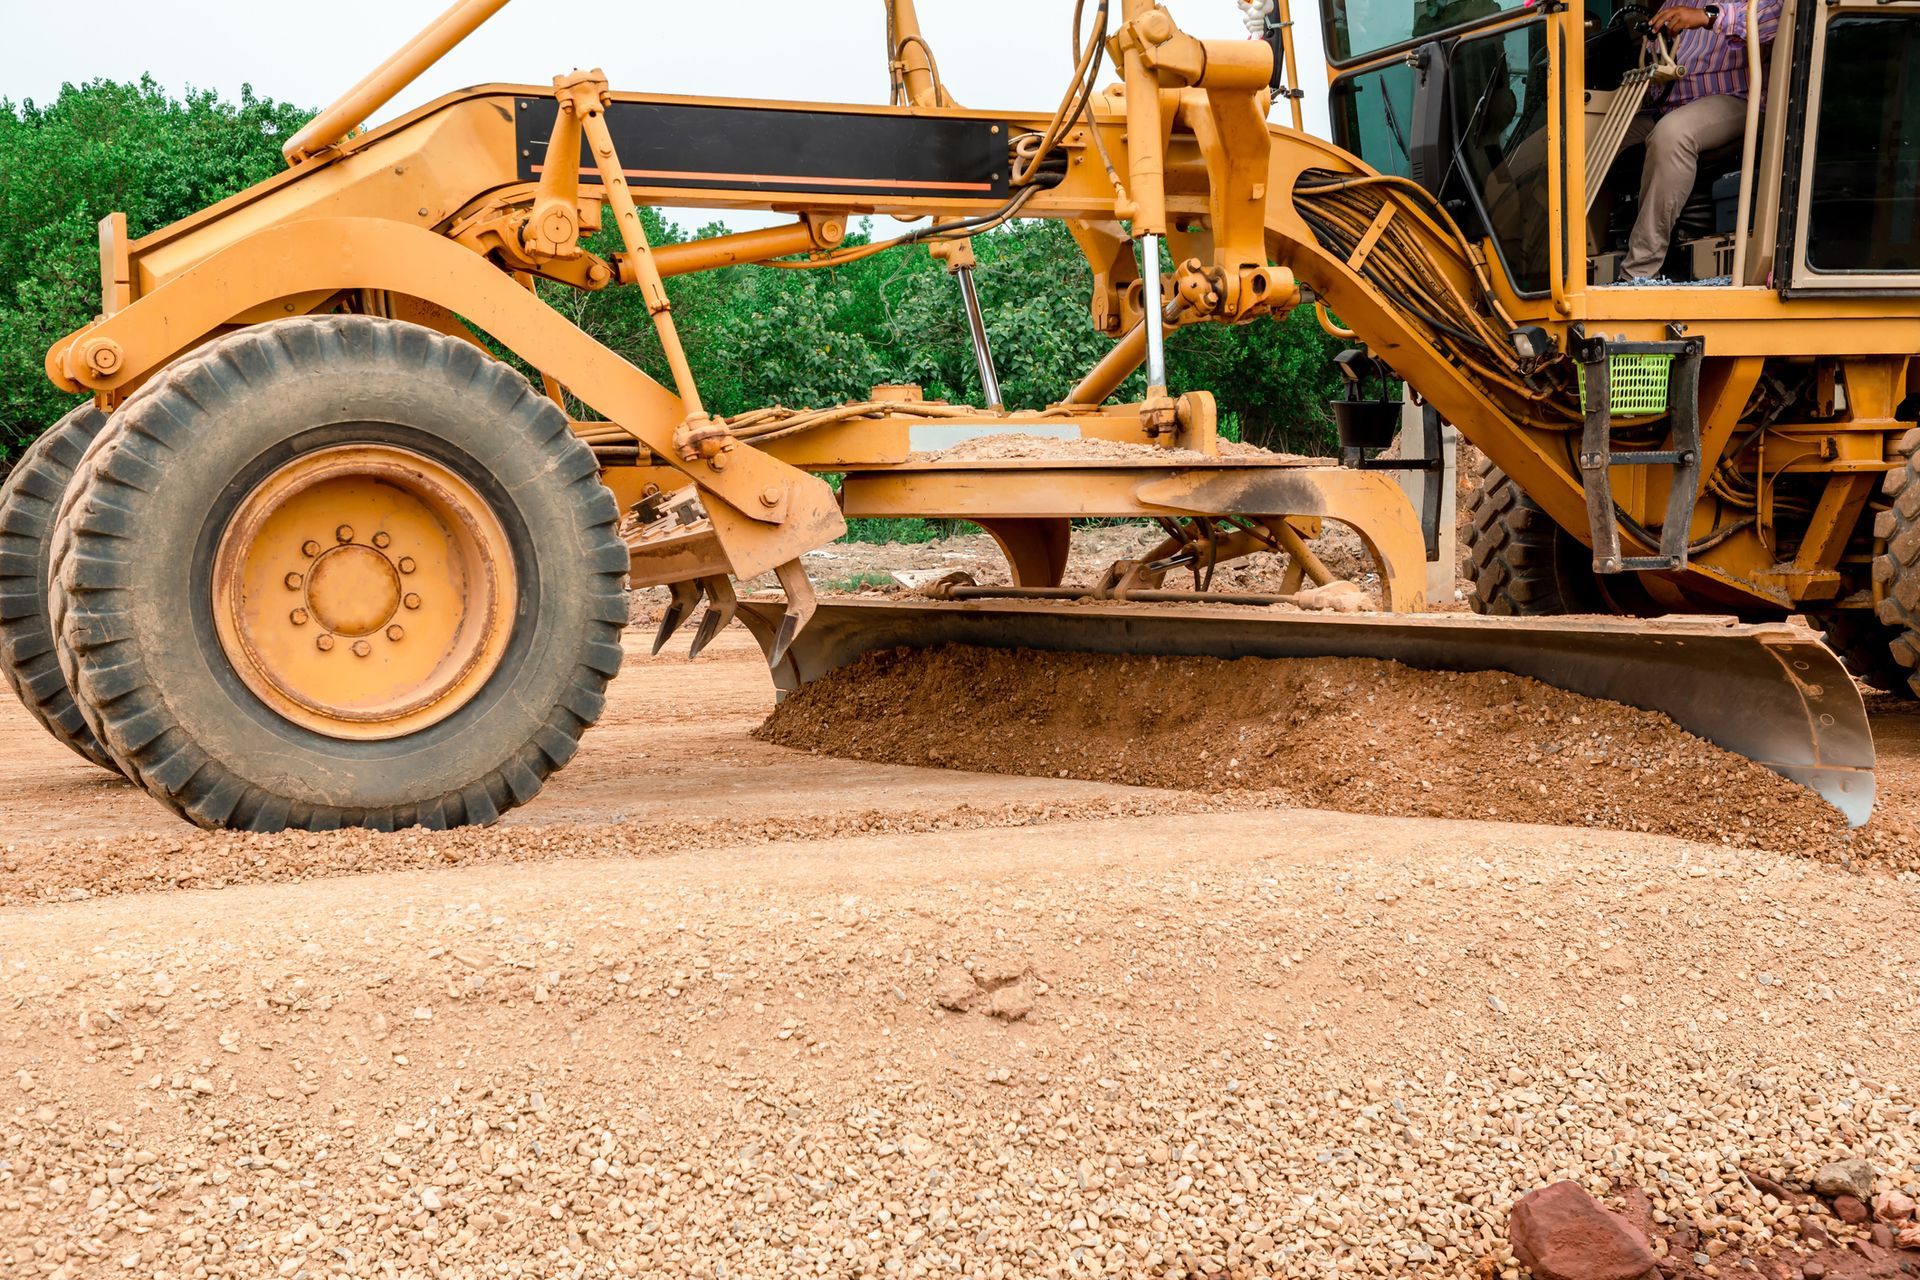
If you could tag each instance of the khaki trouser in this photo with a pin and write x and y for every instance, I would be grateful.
(1674, 143)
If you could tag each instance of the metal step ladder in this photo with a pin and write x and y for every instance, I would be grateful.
(1597, 457)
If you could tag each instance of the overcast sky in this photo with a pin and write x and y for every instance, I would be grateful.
(1010, 54)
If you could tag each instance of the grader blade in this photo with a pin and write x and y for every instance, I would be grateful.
(1770, 692)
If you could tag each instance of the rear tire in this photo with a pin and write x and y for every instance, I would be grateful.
(245, 693)
(1896, 572)
(1865, 646)
(1522, 563)
(30, 505)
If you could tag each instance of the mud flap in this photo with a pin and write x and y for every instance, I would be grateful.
(1770, 692)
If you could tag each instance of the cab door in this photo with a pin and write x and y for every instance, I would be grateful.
(1850, 216)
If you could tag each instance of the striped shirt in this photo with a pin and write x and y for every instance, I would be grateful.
(1715, 56)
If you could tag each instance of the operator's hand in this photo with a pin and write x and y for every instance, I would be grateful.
(1674, 19)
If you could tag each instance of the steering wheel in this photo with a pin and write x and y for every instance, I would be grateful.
(1637, 18)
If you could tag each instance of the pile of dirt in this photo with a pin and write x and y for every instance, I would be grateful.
(1359, 735)
(1019, 447)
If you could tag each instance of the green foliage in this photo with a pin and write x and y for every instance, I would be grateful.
(756, 335)
(96, 149)
(760, 336)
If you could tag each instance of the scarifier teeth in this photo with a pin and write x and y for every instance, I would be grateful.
(685, 596)
(721, 604)
(709, 628)
(789, 628)
(801, 605)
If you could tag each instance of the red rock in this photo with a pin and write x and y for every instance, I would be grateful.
(1882, 1235)
(1850, 1210)
(1562, 1233)
(1771, 1186)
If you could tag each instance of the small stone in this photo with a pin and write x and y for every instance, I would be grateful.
(955, 990)
(1845, 1178)
(430, 1199)
(1893, 1206)
(1813, 1269)
(1851, 1210)
(1560, 1232)
(1011, 1004)
(1882, 1235)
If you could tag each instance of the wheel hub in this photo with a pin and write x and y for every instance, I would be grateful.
(364, 591)
(353, 590)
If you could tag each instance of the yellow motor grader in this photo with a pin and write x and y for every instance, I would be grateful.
(313, 554)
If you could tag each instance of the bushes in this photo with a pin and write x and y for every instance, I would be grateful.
(97, 149)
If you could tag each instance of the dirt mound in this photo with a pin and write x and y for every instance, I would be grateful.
(1359, 735)
(1017, 446)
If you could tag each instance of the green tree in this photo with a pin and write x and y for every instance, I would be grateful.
(96, 149)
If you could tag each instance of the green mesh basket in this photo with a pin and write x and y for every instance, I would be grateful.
(1636, 385)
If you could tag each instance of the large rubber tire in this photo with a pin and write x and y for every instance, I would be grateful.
(134, 595)
(30, 505)
(1896, 572)
(1523, 564)
(1865, 646)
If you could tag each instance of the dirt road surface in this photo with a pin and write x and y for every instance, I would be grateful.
(712, 1007)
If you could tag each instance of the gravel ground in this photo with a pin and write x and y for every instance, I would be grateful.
(1292, 1044)
(715, 1008)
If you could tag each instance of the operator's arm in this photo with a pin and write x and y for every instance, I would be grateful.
(1732, 22)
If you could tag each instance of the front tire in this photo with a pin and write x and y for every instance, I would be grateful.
(340, 571)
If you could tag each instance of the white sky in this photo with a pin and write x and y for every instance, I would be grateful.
(1010, 54)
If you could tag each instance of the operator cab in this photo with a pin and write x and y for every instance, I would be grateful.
(1458, 95)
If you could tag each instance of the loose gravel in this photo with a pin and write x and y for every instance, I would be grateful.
(1267, 1044)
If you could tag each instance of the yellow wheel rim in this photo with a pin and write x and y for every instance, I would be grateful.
(364, 592)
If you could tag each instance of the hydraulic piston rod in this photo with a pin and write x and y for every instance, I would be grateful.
(982, 348)
(1156, 321)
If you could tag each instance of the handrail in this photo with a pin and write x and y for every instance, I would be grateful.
(381, 85)
(1284, 11)
(1740, 235)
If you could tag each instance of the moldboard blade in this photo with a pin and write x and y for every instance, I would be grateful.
(1770, 692)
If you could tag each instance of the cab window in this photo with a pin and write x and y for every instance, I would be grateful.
(1372, 112)
(1356, 28)
(1500, 105)
(1862, 214)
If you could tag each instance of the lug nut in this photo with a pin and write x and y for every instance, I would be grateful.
(361, 648)
(309, 548)
(344, 533)
(324, 644)
(396, 633)
(298, 617)
(770, 496)
(382, 540)
(407, 565)
(295, 582)
(412, 601)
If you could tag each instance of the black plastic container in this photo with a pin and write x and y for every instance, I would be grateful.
(1366, 424)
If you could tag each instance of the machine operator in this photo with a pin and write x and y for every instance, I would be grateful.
(1704, 109)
